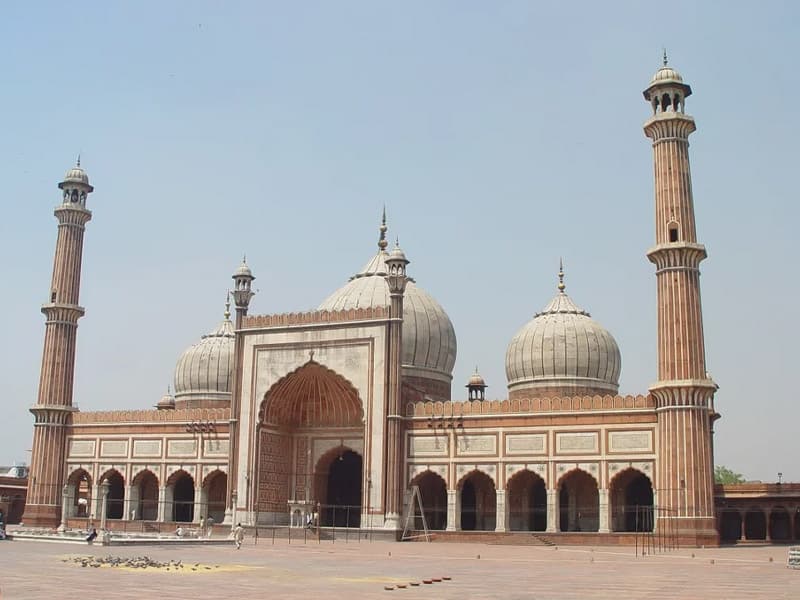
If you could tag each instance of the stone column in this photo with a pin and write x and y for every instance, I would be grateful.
(792, 515)
(200, 504)
(744, 529)
(64, 504)
(162, 504)
(603, 507)
(104, 504)
(501, 511)
(127, 504)
(552, 511)
(453, 510)
(97, 501)
(766, 524)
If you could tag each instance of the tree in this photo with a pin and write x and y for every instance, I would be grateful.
(725, 476)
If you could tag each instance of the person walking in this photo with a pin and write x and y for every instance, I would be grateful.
(238, 536)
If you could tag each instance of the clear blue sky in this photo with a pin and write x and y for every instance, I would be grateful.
(500, 136)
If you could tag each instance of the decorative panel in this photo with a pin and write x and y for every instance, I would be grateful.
(147, 447)
(630, 441)
(113, 447)
(427, 445)
(577, 443)
(476, 444)
(81, 448)
(532, 443)
(182, 448)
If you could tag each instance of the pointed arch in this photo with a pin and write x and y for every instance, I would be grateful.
(213, 490)
(312, 396)
(631, 500)
(79, 493)
(338, 482)
(115, 503)
(578, 501)
(144, 496)
(527, 501)
(180, 488)
(433, 491)
(478, 501)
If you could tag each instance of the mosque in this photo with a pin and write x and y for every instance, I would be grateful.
(340, 411)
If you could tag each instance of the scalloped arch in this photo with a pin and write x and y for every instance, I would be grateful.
(312, 396)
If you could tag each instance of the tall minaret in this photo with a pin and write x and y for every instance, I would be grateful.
(397, 279)
(684, 392)
(54, 406)
(242, 294)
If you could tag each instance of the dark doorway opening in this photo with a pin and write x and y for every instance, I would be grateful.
(116, 496)
(183, 499)
(343, 497)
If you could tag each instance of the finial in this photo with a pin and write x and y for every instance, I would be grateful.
(244, 259)
(665, 57)
(476, 369)
(310, 355)
(382, 240)
(78, 162)
(561, 286)
(227, 312)
(169, 390)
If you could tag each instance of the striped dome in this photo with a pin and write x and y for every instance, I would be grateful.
(429, 339)
(205, 370)
(563, 350)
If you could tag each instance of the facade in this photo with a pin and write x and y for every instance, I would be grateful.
(340, 411)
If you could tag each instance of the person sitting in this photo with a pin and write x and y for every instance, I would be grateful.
(92, 535)
(179, 531)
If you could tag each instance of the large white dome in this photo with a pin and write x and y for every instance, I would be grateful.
(563, 351)
(429, 340)
(204, 373)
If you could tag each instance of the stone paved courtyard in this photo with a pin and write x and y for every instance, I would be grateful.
(32, 570)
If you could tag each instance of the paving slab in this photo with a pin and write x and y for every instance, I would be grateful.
(31, 571)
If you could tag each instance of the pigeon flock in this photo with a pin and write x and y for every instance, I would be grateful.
(136, 562)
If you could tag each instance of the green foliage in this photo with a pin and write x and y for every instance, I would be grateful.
(725, 476)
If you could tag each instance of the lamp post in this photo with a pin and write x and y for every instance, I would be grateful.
(64, 497)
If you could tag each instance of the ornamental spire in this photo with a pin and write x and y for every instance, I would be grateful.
(382, 243)
(561, 286)
(227, 312)
(665, 57)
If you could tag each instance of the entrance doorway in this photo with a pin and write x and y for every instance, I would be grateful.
(339, 488)
(631, 501)
(578, 502)
(478, 502)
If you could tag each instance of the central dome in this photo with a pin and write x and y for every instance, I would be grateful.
(562, 351)
(429, 339)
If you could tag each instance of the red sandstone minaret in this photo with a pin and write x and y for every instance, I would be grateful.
(684, 391)
(54, 406)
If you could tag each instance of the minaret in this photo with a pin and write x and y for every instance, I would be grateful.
(684, 392)
(396, 278)
(242, 294)
(54, 406)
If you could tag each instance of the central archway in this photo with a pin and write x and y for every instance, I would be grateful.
(310, 403)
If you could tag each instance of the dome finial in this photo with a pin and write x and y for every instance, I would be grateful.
(78, 162)
(382, 240)
(227, 312)
(665, 56)
(561, 286)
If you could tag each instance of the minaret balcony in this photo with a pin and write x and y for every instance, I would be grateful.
(677, 256)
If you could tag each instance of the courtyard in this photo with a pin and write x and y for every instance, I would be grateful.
(33, 570)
